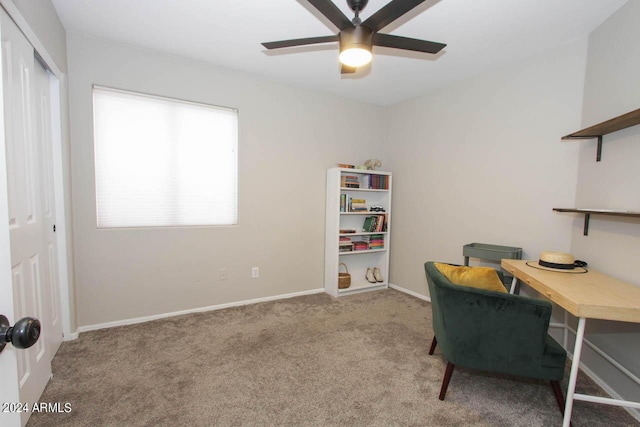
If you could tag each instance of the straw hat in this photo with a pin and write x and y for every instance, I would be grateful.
(558, 261)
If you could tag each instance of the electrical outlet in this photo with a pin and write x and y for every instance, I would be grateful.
(222, 274)
(255, 272)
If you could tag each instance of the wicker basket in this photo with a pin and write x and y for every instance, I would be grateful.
(344, 279)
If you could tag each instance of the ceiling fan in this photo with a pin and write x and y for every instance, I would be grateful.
(356, 37)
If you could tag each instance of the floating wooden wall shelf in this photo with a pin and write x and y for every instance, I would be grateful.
(587, 214)
(597, 131)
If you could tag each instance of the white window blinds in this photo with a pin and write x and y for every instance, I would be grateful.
(163, 162)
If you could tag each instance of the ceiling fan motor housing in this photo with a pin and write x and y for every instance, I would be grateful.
(356, 37)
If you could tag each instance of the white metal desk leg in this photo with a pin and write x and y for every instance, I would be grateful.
(565, 332)
(512, 289)
(575, 365)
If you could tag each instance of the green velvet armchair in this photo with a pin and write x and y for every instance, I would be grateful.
(493, 331)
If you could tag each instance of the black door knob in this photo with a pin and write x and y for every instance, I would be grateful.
(23, 334)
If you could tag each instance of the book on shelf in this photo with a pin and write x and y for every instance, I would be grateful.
(358, 205)
(360, 246)
(345, 244)
(379, 182)
(368, 223)
(346, 202)
(375, 241)
(375, 223)
(347, 231)
(349, 181)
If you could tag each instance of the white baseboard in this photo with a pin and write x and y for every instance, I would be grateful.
(70, 337)
(193, 310)
(412, 293)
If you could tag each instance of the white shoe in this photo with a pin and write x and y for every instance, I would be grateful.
(370, 277)
(377, 275)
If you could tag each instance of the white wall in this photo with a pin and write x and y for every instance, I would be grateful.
(481, 161)
(288, 138)
(613, 244)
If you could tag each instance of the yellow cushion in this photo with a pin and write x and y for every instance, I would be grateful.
(475, 277)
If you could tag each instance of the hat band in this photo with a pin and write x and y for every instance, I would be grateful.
(556, 265)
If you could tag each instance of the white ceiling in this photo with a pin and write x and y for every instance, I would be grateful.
(480, 35)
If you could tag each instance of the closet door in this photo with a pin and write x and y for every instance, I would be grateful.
(51, 316)
(30, 207)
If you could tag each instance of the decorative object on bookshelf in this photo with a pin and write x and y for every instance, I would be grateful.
(346, 166)
(344, 279)
(372, 164)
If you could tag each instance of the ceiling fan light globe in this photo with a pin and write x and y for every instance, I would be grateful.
(355, 57)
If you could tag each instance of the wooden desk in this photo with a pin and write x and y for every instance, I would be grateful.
(591, 295)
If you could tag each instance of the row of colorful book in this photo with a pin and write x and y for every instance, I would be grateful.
(375, 223)
(360, 246)
(345, 244)
(375, 182)
(349, 204)
(373, 241)
(349, 181)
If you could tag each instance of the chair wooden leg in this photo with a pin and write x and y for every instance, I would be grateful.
(446, 379)
(433, 345)
(555, 385)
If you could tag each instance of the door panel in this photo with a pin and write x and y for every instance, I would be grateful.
(50, 286)
(30, 190)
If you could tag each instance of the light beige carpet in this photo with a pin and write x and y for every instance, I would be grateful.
(359, 360)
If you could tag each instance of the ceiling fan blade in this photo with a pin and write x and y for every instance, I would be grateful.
(300, 42)
(345, 69)
(387, 40)
(332, 13)
(390, 13)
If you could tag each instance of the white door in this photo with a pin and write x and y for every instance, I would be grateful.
(51, 316)
(30, 208)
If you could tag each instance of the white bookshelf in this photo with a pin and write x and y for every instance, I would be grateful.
(357, 261)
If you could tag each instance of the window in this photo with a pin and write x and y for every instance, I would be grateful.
(163, 162)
